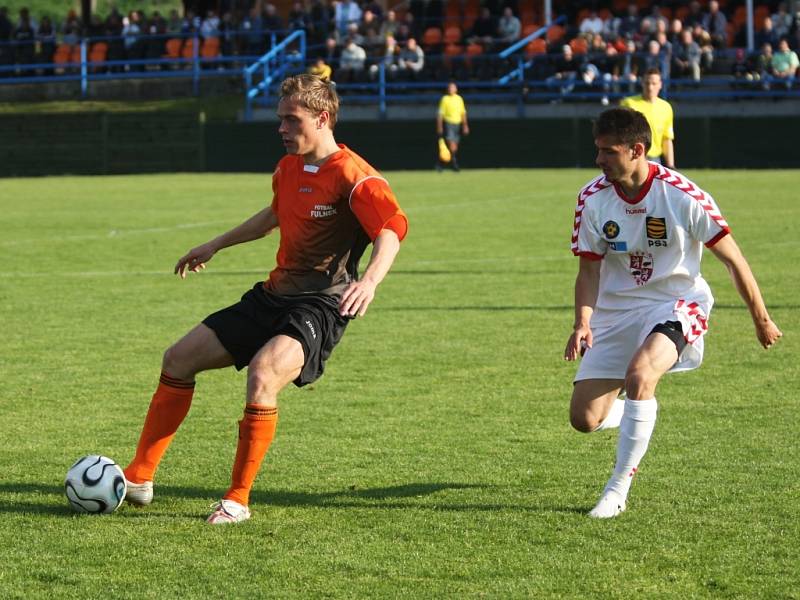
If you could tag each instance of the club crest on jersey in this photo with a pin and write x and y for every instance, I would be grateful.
(611, 229)
(641, 267)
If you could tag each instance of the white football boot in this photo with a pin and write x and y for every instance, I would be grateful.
(139, 494)
(228, 511)
(611, 504)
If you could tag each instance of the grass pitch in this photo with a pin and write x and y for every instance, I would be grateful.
(434, 458)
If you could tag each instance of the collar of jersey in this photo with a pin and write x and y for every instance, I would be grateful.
(642, 190)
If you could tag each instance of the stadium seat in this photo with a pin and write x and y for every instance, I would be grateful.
(210, 47)
(534, 47)
(173, 48)
(731, 31)
(188, 49)
(527, 14)
(740, 17)
(76, 54)
(579, 45)
(98, 54)
(452, 35)
(432, 37)
(63, 54)
(530, 28)
(555, 34)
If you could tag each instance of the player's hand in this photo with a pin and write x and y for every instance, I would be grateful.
(466, 130)
(195, 260)
(356, 298)
(768, 333)
(578, 342)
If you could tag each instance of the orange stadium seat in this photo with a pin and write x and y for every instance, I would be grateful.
(98, 53)
(188, 49)
(529, 29)
(173, 48)
(62, 54)
(210, 47)
(76, 54)
(432, 37)
(555, 34)
(534, 47)
(452, 35)
(579, 45)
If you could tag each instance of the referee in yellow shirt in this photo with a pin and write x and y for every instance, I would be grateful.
(451, 122)
(658, 113)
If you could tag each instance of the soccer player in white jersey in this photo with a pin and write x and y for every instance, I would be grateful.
(641, 305)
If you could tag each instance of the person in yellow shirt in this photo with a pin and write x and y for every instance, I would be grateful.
(658, 113)
(451, 122)
(321, 69)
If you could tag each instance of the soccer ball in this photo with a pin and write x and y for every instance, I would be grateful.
(95, 484)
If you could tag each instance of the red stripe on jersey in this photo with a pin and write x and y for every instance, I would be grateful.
(594, 186)
(678, 181)
(717, 237)
(697, 321)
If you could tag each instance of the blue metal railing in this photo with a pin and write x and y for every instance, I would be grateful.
(273, 66)
(517, 48)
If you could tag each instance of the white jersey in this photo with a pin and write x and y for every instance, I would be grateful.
(651, 245)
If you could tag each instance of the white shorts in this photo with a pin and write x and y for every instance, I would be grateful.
(616, 341)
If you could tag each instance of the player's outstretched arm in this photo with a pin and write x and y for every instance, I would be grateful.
(257, 226)
(728, 252)
(587, 284)
(359, 294)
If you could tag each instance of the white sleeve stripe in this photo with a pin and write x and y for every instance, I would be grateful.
(359, 182)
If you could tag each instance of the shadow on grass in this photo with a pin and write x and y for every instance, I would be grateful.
(411, 495)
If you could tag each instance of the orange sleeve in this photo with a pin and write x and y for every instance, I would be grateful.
(275, 188)
(375, 206)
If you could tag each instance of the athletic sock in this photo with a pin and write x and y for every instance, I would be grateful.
(636, 427)
(168, 408)
(614, 416)
(256, 431)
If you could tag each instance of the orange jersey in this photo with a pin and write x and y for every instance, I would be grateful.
(327, 216)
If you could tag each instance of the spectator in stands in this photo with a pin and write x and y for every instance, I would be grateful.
(209, 28)
(591, 24)
(695, 15)
(24, 36)
(764, 65)
(332, 51)
(376, 8)
(686, 58)
(626, 69)
(658, 113)
(782, 21)
(509, 27)
(389, 25)
(404, 30)
(766, 35)
(346, 12)
(654, 22)
(131, 34)
(567, 66)
(744, 70)
(785, 64)
(483, 29)
(703, 39)
(351, 62)
(298, 18)
(116, 45)
(46, 37)
(411, 60)
(388, 59)
(629, 24)
(190, 23)
(654, 59)
(321, 69)
(272, 20)
(675, 33)
(716, 24)
(156, 29)
(321, 17)
(252, 27)
(174, 22)
(368, 30)
(71, 30)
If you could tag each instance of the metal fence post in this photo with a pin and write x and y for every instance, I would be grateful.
(196, 65)
(84, 70)
(382, 90)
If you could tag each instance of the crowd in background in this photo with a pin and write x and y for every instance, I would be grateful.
(425, 40)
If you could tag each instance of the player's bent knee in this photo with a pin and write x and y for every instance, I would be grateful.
(173, 364)
(583, 422)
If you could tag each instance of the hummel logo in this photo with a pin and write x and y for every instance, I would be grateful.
(305, 190)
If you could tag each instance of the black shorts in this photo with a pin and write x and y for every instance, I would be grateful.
(313, 320)
(452, 132)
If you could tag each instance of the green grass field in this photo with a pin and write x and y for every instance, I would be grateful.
(435, 457)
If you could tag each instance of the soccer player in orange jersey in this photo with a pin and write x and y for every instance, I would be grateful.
(329, 205)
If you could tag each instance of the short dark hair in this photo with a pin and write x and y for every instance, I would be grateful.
(624, 125)
(652, 71)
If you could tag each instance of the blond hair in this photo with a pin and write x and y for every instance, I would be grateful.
(314, 93)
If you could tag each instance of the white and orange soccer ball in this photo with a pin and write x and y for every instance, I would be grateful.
(95, 484)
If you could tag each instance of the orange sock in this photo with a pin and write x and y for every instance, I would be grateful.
(256, 431)
(168, 408)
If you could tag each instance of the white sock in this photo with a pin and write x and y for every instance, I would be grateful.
(636, 427)
(614, 416)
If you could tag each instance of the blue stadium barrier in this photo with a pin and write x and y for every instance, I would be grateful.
(273, 67)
